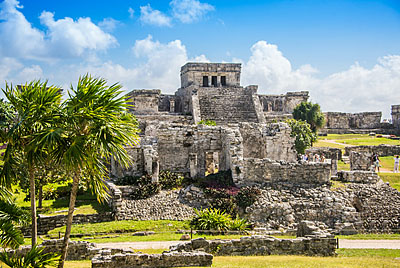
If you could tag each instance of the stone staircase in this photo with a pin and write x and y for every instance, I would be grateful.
(227, 105)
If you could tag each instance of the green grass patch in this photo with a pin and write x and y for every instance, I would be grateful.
(343, 166)
(85, 204)
(370, 237)
(349, 258)
(392, 178)
(369, 141)
(322, 143)
(125, 227)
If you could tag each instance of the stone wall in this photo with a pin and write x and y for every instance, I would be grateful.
(381, 150)
(284, 103)
(77, 250)
(193, 73)
(229, 105)
(332, 156)
(358, 176)
(47, 223)
(345, 122)
(165, 205)
(396, 117)
(361, 161)
(166, 259)
(144, 101)
(259, 245)
(261, 141)
(259, 171)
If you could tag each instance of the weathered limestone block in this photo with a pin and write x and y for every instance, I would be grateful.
(358, 176)
(360, 161)
(260, 245)
(166, 259)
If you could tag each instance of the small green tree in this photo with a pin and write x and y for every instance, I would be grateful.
(302, 132)
(311, 113)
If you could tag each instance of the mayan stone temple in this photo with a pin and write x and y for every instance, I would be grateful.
(248, 142)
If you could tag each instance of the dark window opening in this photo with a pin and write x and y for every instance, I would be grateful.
(205, 81)
(223, 81)
(214, 81)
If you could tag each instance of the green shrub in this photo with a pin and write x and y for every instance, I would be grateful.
(207, 122)
(35, 257)
(222, 199)
(239, 224)
(211, 219)
(247, 196)
(170, 180)
(145, 188)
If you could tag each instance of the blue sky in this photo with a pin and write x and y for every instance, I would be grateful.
(346, 53)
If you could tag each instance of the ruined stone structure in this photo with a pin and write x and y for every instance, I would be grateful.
(172, 139)
(255, 151)
(362, 123)
(136, 260)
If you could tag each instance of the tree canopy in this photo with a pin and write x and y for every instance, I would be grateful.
(311, 113)
(302, 132)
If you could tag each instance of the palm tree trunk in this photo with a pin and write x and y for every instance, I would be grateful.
(33, 205)
(74, 191)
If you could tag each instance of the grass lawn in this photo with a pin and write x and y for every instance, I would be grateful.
(352, 139)
(392, 178)
(322, 143)
(351, 258)
(343, 166)
(125, 227)
(370, 237)
(85, 204)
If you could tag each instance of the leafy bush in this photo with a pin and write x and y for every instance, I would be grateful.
(170, 180)
(303, 133)
(247, 196)
(239, 224)
(32, 259)
(145, 188)
(211, 219)
(207, 122)
(222, 198)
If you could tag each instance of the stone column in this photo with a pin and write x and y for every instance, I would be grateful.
(172, 106)
(193, 165)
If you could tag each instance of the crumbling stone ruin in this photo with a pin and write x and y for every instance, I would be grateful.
(255, 151)
(362, 123)
(313, 239)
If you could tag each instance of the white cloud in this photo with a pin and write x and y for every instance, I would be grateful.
(109, 24)
(63, 38)
(131, 12)
(160, 67)
(353, 90)
(154, 17)
(188, 11)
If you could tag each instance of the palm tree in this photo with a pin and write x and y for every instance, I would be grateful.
(11, 216)
(36, 105)
(94, 127)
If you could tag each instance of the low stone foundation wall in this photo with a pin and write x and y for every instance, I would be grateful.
(48, 223)
(260, 171)
(262, 245)
(162, 206)
(77, 250)
(381, 150)
(358, 176)
(166, 259)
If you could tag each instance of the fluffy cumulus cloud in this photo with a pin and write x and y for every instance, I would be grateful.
(160, 67)
(63, 37)
(153, 16)
(188, 11)
(353, 90)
